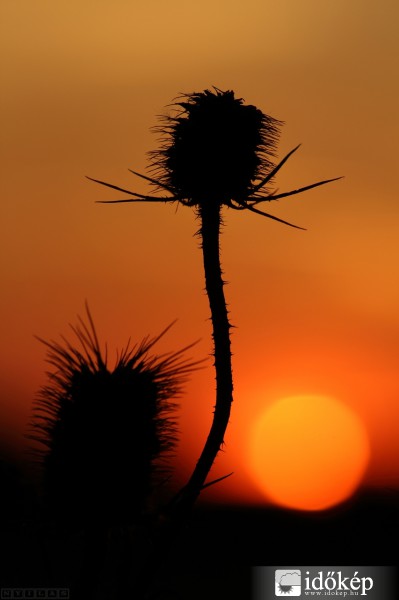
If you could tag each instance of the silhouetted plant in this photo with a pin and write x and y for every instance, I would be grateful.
(215, 151)
(106, 432)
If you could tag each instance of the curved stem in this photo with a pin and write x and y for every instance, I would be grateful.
(210, 233)
(182, 503)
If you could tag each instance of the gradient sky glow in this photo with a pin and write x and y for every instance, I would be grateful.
(316, 312)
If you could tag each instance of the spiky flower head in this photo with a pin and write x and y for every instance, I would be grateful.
(215, 147)
(215, 150)
(106, 432)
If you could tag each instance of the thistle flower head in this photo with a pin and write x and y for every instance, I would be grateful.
(214, 147)
(215, 150)
(105, 432)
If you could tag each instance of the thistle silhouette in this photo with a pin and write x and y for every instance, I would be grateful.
(215, 152)
(106, 433)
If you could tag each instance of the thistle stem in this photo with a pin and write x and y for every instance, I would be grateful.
(210, 234)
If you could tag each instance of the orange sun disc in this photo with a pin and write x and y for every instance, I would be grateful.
(308, 452)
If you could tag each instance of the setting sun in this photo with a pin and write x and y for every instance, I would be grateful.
(308, 452)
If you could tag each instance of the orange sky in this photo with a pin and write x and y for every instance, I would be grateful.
(316, 311)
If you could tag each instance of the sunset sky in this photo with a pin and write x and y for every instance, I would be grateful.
(316, 311)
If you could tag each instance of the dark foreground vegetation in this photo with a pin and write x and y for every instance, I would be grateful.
(215, 551)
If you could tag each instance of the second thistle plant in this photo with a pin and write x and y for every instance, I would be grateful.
(105, 432)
